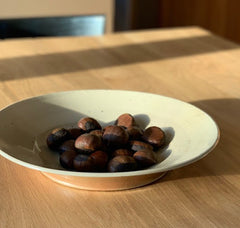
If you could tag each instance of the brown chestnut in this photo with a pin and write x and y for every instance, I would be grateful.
(122, 164)
(115, 136)
(123, 152)
(100, 159)
(134, 132)
(57, 137)
(145, 158)
(125, 120)
(75, 132)
(66, 159)
(83, 163)
(136, 145)
(154, 136)
(88, 124)
(67, 145)
(97, 133)
(88, 143)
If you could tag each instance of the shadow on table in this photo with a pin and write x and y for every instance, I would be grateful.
(224, 159)
(73, 61)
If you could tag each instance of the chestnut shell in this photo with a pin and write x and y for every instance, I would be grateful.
(83, 163)
(67, 145)
(126, 120)
(115, 136)
(66, 159)
(145, 158)
(154, 136)
(88, 124)
(136, 145)
(122, 164)
(57, 137)
(88, 143)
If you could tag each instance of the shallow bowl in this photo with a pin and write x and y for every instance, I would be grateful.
(191, 133)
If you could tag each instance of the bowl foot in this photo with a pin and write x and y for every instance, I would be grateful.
(104, 183)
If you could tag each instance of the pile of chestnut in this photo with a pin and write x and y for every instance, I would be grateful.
(121, 147)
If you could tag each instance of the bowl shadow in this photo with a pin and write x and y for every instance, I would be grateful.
(164, 152)
(224, 159)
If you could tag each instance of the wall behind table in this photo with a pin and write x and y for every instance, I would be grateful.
(219, 16)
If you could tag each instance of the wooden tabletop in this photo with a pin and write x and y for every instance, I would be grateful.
(185, 63)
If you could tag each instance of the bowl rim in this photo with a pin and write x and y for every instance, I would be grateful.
(109, 174)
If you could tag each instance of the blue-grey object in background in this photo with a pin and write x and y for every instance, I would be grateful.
(58, 26)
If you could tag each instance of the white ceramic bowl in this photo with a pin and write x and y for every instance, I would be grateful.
(24, 126)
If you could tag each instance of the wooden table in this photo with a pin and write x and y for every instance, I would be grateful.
(186, 63)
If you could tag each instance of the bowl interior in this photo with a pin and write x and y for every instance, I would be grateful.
(24, 126)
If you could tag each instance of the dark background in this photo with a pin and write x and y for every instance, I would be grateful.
(219, 16)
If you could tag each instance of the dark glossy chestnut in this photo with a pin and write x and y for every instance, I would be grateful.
(115, 136)
(134, 132)
(67, 145)
(125, 120)
(122, 164)
(154, 136)
(83, 163)
(123, 152)
(100, 159)
(97, 133)
(75, 132)
(57, 137)
(145, 158)
(88, 143)
(136, 145)
(88, 124)
(66, 159)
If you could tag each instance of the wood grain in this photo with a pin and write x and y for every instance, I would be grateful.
(186, 63)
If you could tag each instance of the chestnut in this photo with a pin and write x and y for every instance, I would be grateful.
(145, 158)
(121, 147)
(88, 143)
(97, 133)
(115, 136)
(134, 132)
(100, 159)
(75, 132)
(57, 137)
(66, 159)
(67, 145)
(83, 163)
(125, 120)
(123, 152)
(136, 145)
(154, 136)
(122, 164)
(88, 124)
